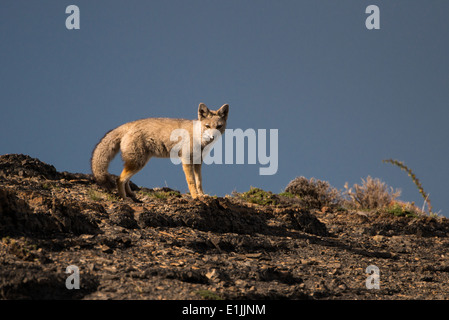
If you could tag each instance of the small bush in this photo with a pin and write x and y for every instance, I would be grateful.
(259, 196)
(403, 209)
(372, 194)
(314, 193)
(287, 194)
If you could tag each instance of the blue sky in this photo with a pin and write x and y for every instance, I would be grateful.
(342, 97)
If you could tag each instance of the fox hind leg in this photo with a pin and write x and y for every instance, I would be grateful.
(128, 190)
(123, 181)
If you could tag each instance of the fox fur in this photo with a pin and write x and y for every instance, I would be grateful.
(142, 139)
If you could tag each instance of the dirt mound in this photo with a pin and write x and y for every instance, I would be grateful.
(52, 215)
(33, 282)
(422, 227)
(24, 166)
(223, 215)
(172, 247)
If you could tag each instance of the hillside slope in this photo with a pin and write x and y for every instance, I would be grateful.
(172, 247)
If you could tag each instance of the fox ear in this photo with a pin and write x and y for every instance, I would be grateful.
(203, 111)
(223, 111)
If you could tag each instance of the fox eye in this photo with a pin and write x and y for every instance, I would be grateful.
(207, 126)
(219, 126)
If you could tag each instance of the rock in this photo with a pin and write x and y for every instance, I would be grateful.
(378, 238)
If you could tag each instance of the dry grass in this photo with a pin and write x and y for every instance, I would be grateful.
(416, 181)
(372, 194)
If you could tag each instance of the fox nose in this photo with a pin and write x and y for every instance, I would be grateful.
(208, 136)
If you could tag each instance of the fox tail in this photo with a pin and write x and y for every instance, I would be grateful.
(104, 152)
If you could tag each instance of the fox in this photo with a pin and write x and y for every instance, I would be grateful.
(140, 140)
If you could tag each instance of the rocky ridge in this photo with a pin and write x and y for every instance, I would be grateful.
(170, 246)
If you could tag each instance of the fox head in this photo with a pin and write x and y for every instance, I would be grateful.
(212, 121)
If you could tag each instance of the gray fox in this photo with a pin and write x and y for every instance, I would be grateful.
(142, 139)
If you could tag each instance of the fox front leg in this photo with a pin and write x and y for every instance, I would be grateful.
(190, 178)
(198, 179)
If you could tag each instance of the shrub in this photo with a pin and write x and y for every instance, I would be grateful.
(314, 193)
(258, 196)
(404, 209)
(372, 194)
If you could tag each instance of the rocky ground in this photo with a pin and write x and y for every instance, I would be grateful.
(172, 247)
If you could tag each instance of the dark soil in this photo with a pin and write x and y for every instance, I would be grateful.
(172, 247)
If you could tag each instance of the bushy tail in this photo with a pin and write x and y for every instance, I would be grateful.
(104, 152)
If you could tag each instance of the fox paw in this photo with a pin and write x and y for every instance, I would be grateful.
(200, 196)
(204, 195)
